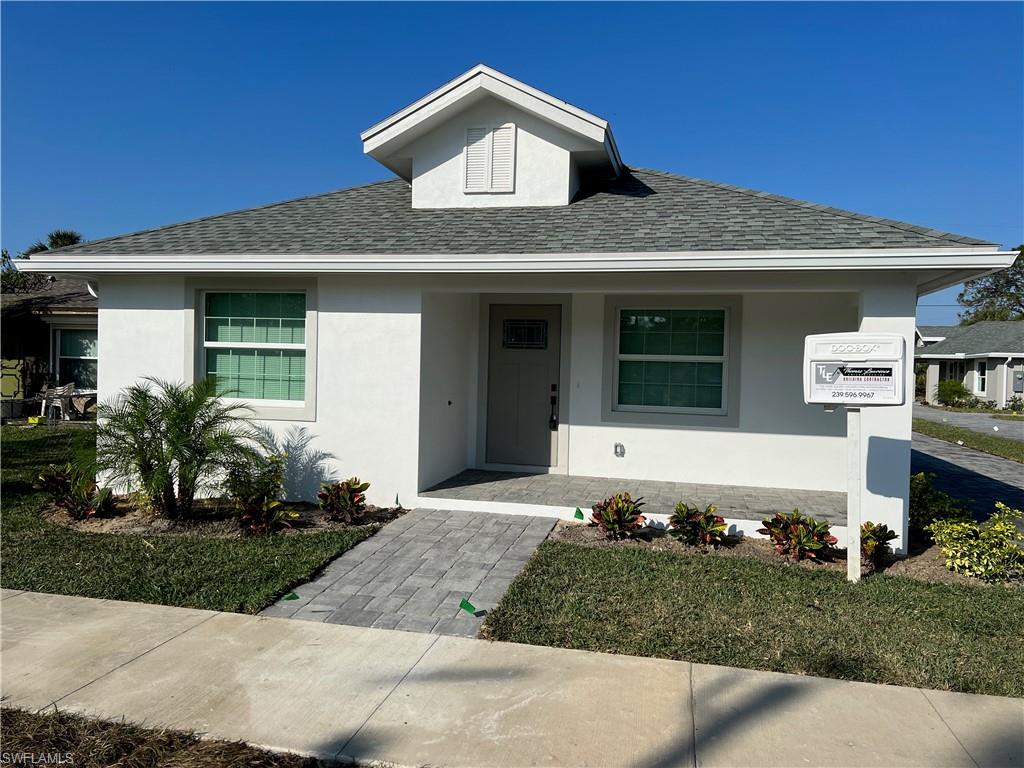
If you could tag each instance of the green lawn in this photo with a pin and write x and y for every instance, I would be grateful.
(219, 574)
(741, 612)
(997, 446)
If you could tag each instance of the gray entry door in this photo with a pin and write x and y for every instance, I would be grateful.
(522, 384)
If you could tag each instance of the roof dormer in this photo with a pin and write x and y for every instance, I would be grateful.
(487, 140)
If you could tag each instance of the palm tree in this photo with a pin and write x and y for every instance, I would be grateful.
(59, 238)
(172, 442)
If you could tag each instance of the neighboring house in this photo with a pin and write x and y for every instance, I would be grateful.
(986, 357)
(520, 299)
(48, 336)
(933, 334)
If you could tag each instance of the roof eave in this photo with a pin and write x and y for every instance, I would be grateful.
(953, 261)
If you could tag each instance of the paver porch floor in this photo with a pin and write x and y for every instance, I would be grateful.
(735, 501)
(413, 574)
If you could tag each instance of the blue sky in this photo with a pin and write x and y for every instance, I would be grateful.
(122, 116)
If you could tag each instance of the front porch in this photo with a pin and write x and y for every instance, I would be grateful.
(735, 502)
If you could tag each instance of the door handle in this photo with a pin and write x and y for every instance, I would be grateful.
(553, 419)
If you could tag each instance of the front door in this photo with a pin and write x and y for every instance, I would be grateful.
(522, 384)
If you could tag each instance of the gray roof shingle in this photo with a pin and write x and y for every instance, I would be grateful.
(642, 211)
(55, 295)
(988, 336)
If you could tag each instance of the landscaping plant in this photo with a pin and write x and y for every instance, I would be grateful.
(952, 392)
(990, 551)
(344, 501)
(171, 441)
(874, 543)
(618, 516)
(927, 504)
(702, 528)
(796, 537)
(73, 489)
(255, 484)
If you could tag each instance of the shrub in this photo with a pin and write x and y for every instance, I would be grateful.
(344, 501)
(797, 537)
(254, 484)
(952, 392)
(171, 443)
(1015, 404)
(928, 504)
(990, 551)
(696, 527)
(74, 490)
(618, 516)
(874, 542)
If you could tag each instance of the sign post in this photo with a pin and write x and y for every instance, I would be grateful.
(854, 371)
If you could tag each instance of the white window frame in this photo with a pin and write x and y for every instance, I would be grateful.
(723, 359)
(489, 188)
(284, 410)
(981, 377)
(57, 356)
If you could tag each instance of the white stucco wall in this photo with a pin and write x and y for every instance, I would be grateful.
(367, 392)
(543, 164)
(778, 442)
(448, 392)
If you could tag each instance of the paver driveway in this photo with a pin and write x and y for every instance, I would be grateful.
(414, 573)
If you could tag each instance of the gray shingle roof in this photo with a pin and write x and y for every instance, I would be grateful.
(60, 294)
(980, 338)
(642, 211)
(934, 331)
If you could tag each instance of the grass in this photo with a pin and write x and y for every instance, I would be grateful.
(1009, 416)
(741, 612)
(244, 574)
(997, 446)
(69, 739)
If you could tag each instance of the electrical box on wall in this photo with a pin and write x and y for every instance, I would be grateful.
(854, 369)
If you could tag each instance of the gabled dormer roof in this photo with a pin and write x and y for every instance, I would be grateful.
(384, 140)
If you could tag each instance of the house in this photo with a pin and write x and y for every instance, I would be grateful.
(933, 334)
(518, 300)
(48, 335)
(987, 357)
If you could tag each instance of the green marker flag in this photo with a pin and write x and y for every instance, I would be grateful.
(290, 596)
(468, 607)
(579, 514)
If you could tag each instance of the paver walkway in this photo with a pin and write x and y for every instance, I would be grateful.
(660, 497)
(404, 698)
(965, 473)
(414, 573)
(978, 422)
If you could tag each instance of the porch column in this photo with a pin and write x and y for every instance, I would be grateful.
(889, 307)
(931, 381)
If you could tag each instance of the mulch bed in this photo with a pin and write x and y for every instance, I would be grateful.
(211, 518)
(924, 565)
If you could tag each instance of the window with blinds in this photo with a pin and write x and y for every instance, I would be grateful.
(255, 344)
(490, 159)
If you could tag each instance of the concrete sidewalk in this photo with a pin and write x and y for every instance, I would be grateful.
(361, 694)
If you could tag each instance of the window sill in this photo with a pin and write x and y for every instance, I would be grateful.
(276, 410)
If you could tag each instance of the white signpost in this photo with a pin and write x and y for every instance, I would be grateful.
(854, 370)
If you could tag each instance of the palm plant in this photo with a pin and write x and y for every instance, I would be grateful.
(171, 441)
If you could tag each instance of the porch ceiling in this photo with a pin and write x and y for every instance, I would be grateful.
(733, 501)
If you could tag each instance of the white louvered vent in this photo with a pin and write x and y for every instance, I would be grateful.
(490, 159)
(503, 158)
(477, 140)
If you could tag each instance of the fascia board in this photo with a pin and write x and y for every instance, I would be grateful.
(890, 259)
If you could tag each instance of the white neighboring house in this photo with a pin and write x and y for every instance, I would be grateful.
(986, 357)
(520, 299)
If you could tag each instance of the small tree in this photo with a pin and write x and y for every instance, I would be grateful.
(171, 442)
